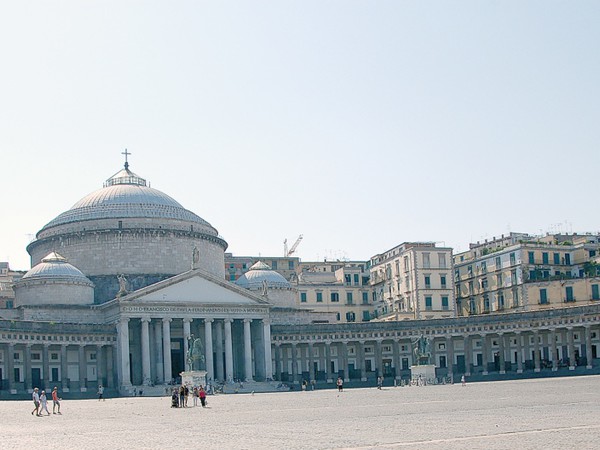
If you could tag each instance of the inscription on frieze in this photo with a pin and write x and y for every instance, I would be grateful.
(191, 309)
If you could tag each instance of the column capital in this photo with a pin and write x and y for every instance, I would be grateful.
(187, 320)
(247, 320)
(46, 344)
(207, 321)
(145, 319)
(82, 344)
(167, 319)
(266, 322)
(227, 320)
(361, 341)
(124, 319)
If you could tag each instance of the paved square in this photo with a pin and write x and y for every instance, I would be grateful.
(530, 414)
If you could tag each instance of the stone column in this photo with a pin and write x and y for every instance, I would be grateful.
(111, 351)
(167, 367)
(554, 356)
(27, 369)
(186, 343)
(219, 350)
(123, 339)
(536, 350)
(285, 366)
(294, 364)
(278, 360)
(397, 368)
(360, 354)
(64, 368)
(208, 349)
(571, 344)
(450, 357)
(46, 365)
(345, 360)
(100, 372)
(10, 362)
(247, 350)
(468, 351)
(588, 347)
(519, 352)
(158, 348)
(311, 371)
(228, 350)
(82, 369)
(485, 353)
(146, 376)
(379, 358)
(501, 354)
(328, 361)
(267, 343)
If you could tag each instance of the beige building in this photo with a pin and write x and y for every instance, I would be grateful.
(7, 278)
(413, 281)
(523, 273)
(340, 287)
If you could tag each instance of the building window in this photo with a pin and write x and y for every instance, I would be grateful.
(472, 306)
(335, 297)
(349, 298)
(365, 298)
(595, 292)
(319, 297)
(513, 259)
(9, 304)
(427, 282)
(486, 303)
(426, 262)
(303, 297)
(543, 297)
(428, 303)
(567, 259)
(36, 357)
(443, 281)
(483, 267)
(445, 305)
(338, 317)
(513, 277)
(498, 263)
(545, 258)
(499, 280)
(515, 298)
(54, 356)
(232, 277)
(347, 279)
(531, 257)
(442, 260)
(350, 316)
(500, 300)
(556, 258)
(569, 294)
(291, 265)
(470, 270)
(356, 279)
(366, 316)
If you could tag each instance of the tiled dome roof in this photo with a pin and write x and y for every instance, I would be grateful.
(259, 273)
(55, 266)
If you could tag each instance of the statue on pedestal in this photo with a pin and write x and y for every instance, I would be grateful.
(195, 354)
(122, 286)
(421, 351)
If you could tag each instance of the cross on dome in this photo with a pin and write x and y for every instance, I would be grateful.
(126, 153)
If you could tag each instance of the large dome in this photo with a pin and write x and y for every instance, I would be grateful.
(125, 195)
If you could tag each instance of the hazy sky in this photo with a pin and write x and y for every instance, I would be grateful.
(360, 124)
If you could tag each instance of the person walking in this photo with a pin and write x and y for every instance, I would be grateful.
(202, 395)
(100, 392)
(379, 382)
(35, 396)
(186, 392)
(55, 400)
(340, 384)
(195, 395)
(44, 403)
(182, 396)
(463, 381)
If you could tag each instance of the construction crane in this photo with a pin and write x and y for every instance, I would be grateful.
(292, 250)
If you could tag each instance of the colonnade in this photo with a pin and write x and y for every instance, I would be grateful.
(72, 366)
(297, 358)
(153, 350)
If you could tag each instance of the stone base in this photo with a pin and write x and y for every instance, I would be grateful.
(194, 378)
(425, 373)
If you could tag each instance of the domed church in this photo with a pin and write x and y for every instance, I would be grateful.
(120, 284)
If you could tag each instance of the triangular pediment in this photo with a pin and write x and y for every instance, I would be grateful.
(194, 287)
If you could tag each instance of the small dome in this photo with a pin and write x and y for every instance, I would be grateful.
(55, 266)
(258, 274)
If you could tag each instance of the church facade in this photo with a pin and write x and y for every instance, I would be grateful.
(123, 281)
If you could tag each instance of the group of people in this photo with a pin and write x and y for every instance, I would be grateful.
(179, 396)
(40, 402)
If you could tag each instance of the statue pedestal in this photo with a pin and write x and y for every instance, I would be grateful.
(426, 373)
(194, 378)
